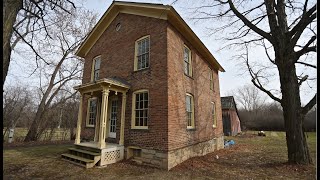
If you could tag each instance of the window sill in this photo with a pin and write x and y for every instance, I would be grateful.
(188, 76)
(191, 128)
(140, 128)
(89, 126)
(214, 126)
(141, 70)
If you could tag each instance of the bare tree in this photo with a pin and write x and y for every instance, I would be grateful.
(286, 31)
(56, 78)
(26, 17)
(249, 97)
(15, 106)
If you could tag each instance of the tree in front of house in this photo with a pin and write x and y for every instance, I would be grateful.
(286, 31)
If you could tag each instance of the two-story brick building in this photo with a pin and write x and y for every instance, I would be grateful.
(150, 90)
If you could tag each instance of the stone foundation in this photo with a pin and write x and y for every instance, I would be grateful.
(168, 160)
(176, 157)
(150, 157)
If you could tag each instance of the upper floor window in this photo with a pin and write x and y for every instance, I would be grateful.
(187, 61)
(96, 68)
(214, 116)
(91, 112)
(211, 80)
(140, 109)
(142, 53)
(190, 111)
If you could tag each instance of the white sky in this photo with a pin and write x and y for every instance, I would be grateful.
(229, 80)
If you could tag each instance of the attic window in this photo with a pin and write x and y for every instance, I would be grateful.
(118, 26)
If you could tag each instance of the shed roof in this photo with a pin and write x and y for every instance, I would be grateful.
(227, 102)
(159, 11)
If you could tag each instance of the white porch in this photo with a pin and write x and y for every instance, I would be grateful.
(99, 151)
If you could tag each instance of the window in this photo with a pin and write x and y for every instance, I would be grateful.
(96, 68)
(142, 53)
(190, 111)
(91, 112)
(214, 116)
(211, 80)
(187, 61)
(140, 108)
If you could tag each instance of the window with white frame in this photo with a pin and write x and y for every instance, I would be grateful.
(189, 111)
(187, 61)
(142, 53)
(96, 68)
(92, 112)
(211, 80)
(140, 109)
(214, 116)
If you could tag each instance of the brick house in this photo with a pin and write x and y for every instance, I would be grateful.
(150, 90)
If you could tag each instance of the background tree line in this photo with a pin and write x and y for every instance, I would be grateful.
(258, 114)
(20, 108)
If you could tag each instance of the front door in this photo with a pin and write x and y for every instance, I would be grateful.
(113, 118)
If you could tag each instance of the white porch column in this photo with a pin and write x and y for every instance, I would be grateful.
(103, 117)
(78, 132)
(123, 110)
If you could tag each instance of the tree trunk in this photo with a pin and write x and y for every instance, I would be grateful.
(32, 134)
(298, 151)
(10, 11)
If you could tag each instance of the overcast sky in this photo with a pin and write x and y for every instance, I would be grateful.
(229, 80)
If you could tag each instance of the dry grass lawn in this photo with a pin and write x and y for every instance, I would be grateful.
(252, 157)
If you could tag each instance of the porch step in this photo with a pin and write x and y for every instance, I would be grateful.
(87, 163)
(76, 151)
(81, 157)
(91, 149)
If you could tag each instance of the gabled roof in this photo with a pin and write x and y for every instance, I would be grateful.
(159, 11)
(227, 102)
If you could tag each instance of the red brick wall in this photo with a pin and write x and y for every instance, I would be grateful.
(165, 81)
(117, 59)
(199, 86)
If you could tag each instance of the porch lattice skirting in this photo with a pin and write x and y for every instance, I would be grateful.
(87, 155)
(111, 155)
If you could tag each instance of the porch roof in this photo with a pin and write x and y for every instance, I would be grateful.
(111, 83)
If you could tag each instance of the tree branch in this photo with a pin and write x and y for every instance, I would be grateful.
(310, 104)
(307, 64)
(248, 23)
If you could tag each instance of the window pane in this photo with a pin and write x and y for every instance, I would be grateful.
(186, 68)
(97, 64)
(145, 123)
(188, 103)
(139, 48)
(143, 47)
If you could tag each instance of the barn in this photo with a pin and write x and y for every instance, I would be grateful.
(230, 116)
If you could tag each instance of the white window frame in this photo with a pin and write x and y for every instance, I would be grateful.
(214, 114)
(88, 112)
(192, 111)
(211, 80)
(136, 53)
(189, 61)
(133, 117)
(93, 68)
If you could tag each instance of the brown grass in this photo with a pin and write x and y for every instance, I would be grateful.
(252, 157)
